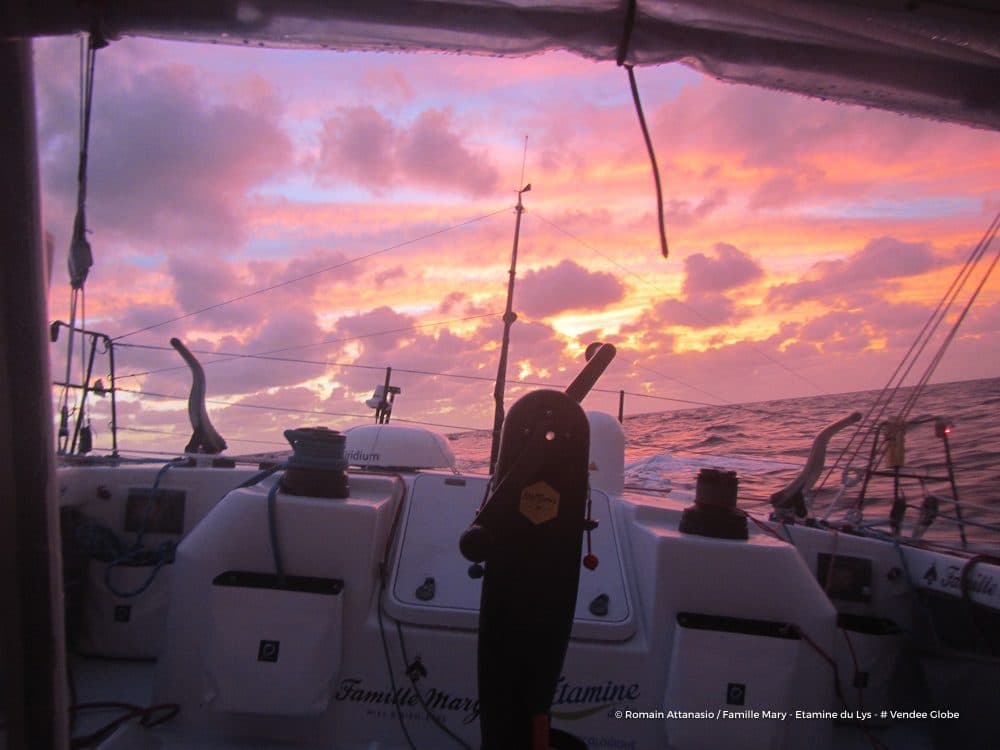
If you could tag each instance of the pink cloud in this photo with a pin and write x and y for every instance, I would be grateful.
(825, 327)
(392, 327)
(358, 143)
(984, 320)
(683, 212)
(888, 258)
(169, 164)
(236, 375)
(298, 280)
(451, 301)
(756, 182)
(198, 284)
(394, 273)
(566, 286)
(143, 315)
(433, 153)
(364, 145)
(729, 269)
(707, 311)
(881, 260)
(785, 188)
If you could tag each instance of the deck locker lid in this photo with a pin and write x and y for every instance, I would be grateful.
(275, 646)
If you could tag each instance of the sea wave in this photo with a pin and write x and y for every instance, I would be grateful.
(766, 443)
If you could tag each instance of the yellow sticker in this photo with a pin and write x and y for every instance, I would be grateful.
(539, 503)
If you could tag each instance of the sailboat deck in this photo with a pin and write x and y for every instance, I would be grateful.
(131, 681)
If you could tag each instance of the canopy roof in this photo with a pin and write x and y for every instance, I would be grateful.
(938, 59)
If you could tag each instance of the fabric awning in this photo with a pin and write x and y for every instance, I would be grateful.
(932, 59)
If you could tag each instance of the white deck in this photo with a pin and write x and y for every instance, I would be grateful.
(132, 681)
(644, 653)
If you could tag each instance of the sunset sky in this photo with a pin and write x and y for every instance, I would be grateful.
(372, 195)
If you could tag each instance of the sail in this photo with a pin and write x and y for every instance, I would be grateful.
(938, 60)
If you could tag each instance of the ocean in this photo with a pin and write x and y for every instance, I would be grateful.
(766, 443)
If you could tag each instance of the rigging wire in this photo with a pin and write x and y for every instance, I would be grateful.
(180, 436)
(527, 383)
(64, 407)
(292, 410)
(870, 422)
(939, 355)
(681, 382)
(311, 274)
(83, 361)
(413, 371)
(230, 356)
(266, 356)
(80, 256)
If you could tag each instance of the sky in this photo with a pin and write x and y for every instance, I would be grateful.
(340, 213)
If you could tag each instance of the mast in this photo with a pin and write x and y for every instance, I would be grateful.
(81, 257)
(509, 316)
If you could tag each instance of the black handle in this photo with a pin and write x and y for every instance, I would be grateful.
(599, 356)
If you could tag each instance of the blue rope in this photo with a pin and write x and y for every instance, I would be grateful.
(138, 555)
(260, 476)
(164, 554)
(272, 516)
(102, 543)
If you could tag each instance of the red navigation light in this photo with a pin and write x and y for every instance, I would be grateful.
(943, 427)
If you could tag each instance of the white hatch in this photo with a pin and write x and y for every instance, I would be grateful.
(431, 584)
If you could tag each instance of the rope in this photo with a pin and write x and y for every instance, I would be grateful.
(413, 670)
(885, 397)
(652, 159)
(383, 573)
(388, 665)
(64, 408)
(149, 716)
(83, 355)
(631, 6)
(980, 251)
(103, 544)
(631, 9)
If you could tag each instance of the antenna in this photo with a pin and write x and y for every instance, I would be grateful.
(524, 161)
(509, 317)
